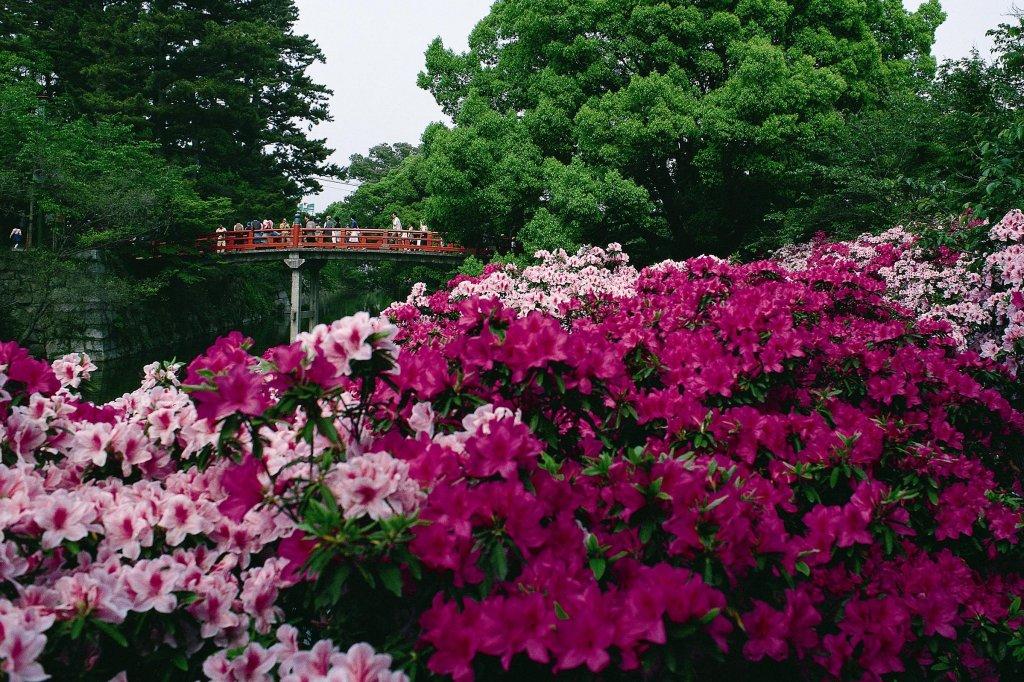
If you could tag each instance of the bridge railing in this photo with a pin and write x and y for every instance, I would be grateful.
(340, 238)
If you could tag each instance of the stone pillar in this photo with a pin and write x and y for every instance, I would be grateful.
(295, 264)
(314, 296)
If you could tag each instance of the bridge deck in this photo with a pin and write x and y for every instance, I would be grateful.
(304, 250)
(340, 242)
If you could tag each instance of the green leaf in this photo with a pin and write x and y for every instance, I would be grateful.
(326, 428)
(76, 627)
(597, 566)
(716, 502)
(111, 631)
(391, 577)
(560, 613)
(186, 598)
(499, 562)
(710, 615)
(329, 586)
(802, 567)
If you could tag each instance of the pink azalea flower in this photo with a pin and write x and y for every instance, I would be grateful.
(151, 585)
(362, 664)
(91, 443)
(36, 375)
(253, 665)
(766, 631)
(238, 390)
(63, 516)
(19, 650)
(127, 531)
(375, 485)
(243, 487)
(180, 518)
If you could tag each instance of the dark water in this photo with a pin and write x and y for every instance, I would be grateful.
(116, 377)
(123, 375)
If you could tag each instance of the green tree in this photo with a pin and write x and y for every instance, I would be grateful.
(391, 181)
(1001, 179)
(221, 86)
(380, 160)
(683, 122)
(95, 182)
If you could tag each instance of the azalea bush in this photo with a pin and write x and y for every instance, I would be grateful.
(558, 284)
(700, 469)
(965, 272)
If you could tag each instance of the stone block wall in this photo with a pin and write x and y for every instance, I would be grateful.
(87, 314)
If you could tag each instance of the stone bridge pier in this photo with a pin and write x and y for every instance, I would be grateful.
(305, 293)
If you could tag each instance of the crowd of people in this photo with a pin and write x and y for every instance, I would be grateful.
(330, 230)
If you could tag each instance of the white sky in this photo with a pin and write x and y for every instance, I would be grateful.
(374, 50)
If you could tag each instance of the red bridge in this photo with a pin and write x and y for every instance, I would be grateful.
(344, 240)
(306, 250)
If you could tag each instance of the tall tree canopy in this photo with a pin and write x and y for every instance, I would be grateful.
(1001, 182)
(391, 180)
(378, 162)
(96, 182)
(686, 122)
(221, 86)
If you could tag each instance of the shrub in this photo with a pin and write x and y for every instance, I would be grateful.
(703, 469)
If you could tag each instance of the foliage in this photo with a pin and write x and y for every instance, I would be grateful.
(220, 86)
(700, 469)
(394, 189)
(594, 139)
(98, 184)
(677, 127)
(472, 266)
(950, 146)
(378, 162)
(964, 273)
(128, 125)
(373, 286)
(1002, 162)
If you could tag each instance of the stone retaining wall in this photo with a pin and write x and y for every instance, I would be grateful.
(85, 317)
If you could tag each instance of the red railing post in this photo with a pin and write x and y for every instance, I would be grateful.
(296, 236)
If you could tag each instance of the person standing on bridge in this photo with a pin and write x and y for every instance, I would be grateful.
(331, 228)
(353, 230)
(310, 234)
(221, 240)
(396, 229)
(15, 237)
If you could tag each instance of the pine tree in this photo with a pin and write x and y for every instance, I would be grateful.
(220, 86)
